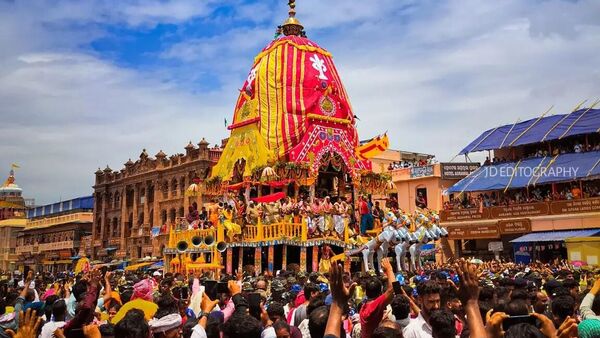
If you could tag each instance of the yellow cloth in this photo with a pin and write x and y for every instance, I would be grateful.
(231, 228)
(324, 265)
(10, 309)
(147, 307)
(247, 143)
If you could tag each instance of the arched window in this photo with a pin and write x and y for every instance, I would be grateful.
(115, 227)
(421, 196)
(165, 189)
(172, 215)
(181, 212)
(163, 217)
(174, 187)
(99, 227)
(151, 217)
(182, 185)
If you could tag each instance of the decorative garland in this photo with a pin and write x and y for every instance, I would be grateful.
(371, 182)
(293, 242)
(213, 184)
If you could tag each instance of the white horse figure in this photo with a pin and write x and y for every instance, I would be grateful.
(438, 230)
(425, 236)
(379, 244)
(407, 239)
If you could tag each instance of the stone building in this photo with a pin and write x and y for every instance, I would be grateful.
(53, 234)
(135, 205)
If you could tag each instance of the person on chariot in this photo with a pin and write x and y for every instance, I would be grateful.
(326, 211)
(252, 214)
(231, 229)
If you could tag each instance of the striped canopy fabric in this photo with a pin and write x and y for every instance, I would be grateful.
(291, 78)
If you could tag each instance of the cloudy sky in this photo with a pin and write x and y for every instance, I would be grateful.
(84, 84)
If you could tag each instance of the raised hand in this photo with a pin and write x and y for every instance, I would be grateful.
(494, 324)
(547, 327)
(91, 331)
(207, 305)
(568, 329)
(469, 286)
(234, 287)
(29, 323)
(339, 292)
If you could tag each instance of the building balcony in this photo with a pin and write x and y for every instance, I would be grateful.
(58, 245)
(80, 217)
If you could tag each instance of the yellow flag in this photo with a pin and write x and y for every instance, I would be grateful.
(373, 148)
(15, 166)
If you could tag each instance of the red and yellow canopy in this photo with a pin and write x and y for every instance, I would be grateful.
(292, 88)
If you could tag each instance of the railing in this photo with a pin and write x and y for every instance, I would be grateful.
(57, 245)
(24, 248)
(282, 230)
(46, 222)
(294, 231)
(250, 232)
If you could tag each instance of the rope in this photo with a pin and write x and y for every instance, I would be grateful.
(483, 139)
(546, 168)
(505, 136)
(592, 169)
(531, 126)
(537, 167)
(580, 116)
(512, 176)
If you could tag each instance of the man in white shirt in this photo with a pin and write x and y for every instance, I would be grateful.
(429, 301)
(59, 312)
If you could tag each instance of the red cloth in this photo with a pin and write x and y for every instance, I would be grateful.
(85, 311)
(370, 315)
(143, 289)
(269, 198)
(364, 208)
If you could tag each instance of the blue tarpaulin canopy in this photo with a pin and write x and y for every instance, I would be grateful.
(554, 236)
(531, 171)
(582, 121)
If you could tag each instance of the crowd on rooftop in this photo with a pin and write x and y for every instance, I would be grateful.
(542, 193)
(412, 163)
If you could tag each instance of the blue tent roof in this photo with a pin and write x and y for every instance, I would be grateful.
(554, 236)
(582, 121)
(532, 171)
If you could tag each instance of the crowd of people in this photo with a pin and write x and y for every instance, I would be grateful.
(577, 146)
(460, 299)
(542, 193)
(412, 163)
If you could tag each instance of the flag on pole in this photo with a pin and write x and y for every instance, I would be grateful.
(15, 166)
(373, 148)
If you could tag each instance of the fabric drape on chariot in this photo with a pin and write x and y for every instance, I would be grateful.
(244, 143)
(269, 198)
